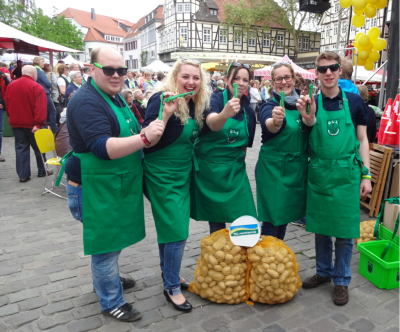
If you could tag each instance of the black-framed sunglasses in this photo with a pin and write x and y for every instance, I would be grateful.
(332, 68)
(109, 71)
(280, 64)
(195, 61)
(238, 64)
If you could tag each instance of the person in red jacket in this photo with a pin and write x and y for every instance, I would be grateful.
(27, 112)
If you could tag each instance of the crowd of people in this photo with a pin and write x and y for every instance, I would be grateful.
(187, 156)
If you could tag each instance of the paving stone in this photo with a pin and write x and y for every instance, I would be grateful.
(215, 323)
(86, 311)
(169, 311)
(52, 288)
(149, 317)
(57, 307)
(322, 325)
(36, 282)
(9, 310)
(86, 299)
(149, 292)
(392, 329)
(22, 318)
(62, 275)
(49, 322)
(294, 321)
(141, 274)
(115, 327)
(246, 325)
(151, 303)
(290, 308)
(166, 325)
(86, 324)
(393, 306)
(381, 316)
(340, 318)
(195, 316)
(270, 316)
(3, 300)
(274, 328)
(241, 313)
(49, 269)
(7, 270)
(34, 303)
(362, 325)
(23, 295)
(65, 295)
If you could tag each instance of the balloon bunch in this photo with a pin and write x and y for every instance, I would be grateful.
(368, 8)
(368, 46)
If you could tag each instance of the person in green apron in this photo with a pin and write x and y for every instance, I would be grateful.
(168, 166)
(221, 189)
(105, 176)
(282, 163)
(337, 174)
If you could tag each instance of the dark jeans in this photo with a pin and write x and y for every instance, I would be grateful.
(216, 226)
(269, 229)
(1, 127)
(51, 114)
(24, 138)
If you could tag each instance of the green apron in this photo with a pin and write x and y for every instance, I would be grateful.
(282, 173)
(221, 190)
(112, 202)
(334, 175)
(167, 178)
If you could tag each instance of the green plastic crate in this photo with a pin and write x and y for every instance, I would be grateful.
(383, 273)
(385, 234)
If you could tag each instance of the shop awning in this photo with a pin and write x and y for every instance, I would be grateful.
(226, 58)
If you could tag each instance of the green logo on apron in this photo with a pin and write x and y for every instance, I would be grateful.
(333, 127)
(340, 104)
(195, 134)
(232, 135)
(370, 267)
(131, 125)
(302, 126)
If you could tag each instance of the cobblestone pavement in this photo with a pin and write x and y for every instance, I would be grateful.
(45, 280)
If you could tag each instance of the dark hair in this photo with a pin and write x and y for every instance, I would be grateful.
(328, 56)
(86, 69)
(160, 76)
(94, 55)
(233, 72)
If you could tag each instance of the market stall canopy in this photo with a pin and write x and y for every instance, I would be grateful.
(266, 71)
(209, 66)
(23, 57)
(70, 59)
(363, 75)
(21, 42)
(157, 66)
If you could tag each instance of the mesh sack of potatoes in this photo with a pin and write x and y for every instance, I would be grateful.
(274, 273)
(220, 275)
(367, 231)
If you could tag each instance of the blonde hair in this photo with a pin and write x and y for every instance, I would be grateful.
(363, 90)
(36, 60)
(347, 69)
(201, 98)
(279, 65)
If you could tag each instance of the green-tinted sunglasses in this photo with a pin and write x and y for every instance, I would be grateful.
(109, 71)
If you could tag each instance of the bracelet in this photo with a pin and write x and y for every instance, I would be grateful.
(367, 177)
(144, 139)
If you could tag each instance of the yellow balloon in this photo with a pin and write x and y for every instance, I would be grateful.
(363, 55)
(358, 12)
(370, 11)
(346, 3)
(374, 33)
(373, 2)
(381, 4)
(361, 62)
(358, 35)
(369, 47)
(374, 56)
(379, 44)
(369, 65)
(354, 61)
(358, 20)
(360, 4)
(363, 41)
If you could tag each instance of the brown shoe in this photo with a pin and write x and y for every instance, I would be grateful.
(340, 295)
(314, 281)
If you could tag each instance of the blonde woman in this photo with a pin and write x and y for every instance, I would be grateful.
(168, 166)
(55, 92)
(148, 84)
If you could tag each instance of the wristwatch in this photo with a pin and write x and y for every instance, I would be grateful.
(144, 139)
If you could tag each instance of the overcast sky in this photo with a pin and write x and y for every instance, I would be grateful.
(131, 10)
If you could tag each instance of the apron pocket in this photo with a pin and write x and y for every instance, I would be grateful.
(320, 179)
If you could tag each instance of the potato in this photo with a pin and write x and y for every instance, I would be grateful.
(237, 288)
(207, 280)
(220, 243)
(289, 265)
(272, 266)
(259, 251)
(209, 292)
(238, 277)
(228, 258)
(254, 296)
(254, 258)
(231, 283)
(283, 276)
(204, 271)
(242, 281)
(237, 258)
(229, 290)
(210, 250)
(204, 285)
(230, 277)
(226, 270)
(268, 260)
(212, 284)
(279, 257)
(289, 295)
(275, 283)
(218, 296)
(273, 273)
(218, 268)
(252, 288)
(200, 279)
(217, 276)
(217, 290)
(284, 252)
(235, 270)
(235, 250)
(280, 268)
(220, 256)
(278, 291)
(227, 248)
(227, 297)
(235, 295)
(212, 260)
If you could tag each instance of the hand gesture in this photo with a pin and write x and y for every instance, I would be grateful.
(278, 114)
(154, 131)
(365, 187)
(232, 107)
(302, 105)
(35, 129)
(169, 108)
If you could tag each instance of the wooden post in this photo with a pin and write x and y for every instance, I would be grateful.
(51, 57)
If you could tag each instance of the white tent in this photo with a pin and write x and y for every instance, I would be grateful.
(157, 66)
(13, 57)
(70, 59)
(363, 75)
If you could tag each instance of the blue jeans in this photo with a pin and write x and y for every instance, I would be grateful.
(1, 127)
(105, 270)
(268, 228)
(170, 262)
(216, 226)
(340, 271)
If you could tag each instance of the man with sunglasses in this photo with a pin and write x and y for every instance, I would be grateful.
(337, 174)
(105, 176)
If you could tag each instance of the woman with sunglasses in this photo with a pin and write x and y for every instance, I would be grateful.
(221, 190)
(168, 166)
(282, 164)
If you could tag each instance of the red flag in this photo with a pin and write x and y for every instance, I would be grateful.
(389, 137)
(384, 120)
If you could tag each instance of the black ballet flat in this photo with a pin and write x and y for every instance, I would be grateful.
(186, 306)
(184, 285)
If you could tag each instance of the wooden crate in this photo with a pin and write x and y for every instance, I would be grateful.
(380, 160)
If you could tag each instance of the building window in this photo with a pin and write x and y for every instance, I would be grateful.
(183, 33)
(237, 38)
(335, 29)
(327, 31)
(152, 53)
(344, 28)
(126, 64)
(179, 8)
(266, 41)
(337, 8)
(353, 28)
(223, 36)
(373, 22)
(187, 7)
(306, 42)
(252, 39)
(207, 35)
(280, 39)
(367, 24)
(213, 12)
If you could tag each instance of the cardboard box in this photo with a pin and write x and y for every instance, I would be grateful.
(390, 216)
(394, 189)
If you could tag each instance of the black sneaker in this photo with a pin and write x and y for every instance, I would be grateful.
(127, 282)
(125, 313)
